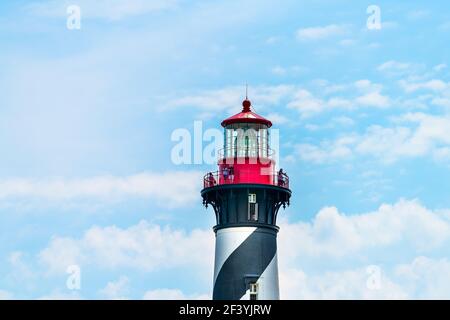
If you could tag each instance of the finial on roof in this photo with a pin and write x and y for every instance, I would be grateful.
(246, 103)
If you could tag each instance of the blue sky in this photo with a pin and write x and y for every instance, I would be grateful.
(86, 118)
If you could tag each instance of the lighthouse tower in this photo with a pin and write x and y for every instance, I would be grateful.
(246, 193)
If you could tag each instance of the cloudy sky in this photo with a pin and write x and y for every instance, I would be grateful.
(86, 118)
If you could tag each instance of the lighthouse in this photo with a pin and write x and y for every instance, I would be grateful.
(246, 193)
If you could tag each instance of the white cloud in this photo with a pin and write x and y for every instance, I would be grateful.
(315, 33)
(336, 121)
(5, 295)
(211, 100)
(347, 42)
(143, 246)
(396, 68)
(442, 154)
(230, 98)
(373, 99)
(418, 14)
(439, 67)
(327, 87)
(388, 143)
(349, 244)
(277, 118)
(433, 85)
(58, 295)
(290, 70)
(367, 94)
(339, 103)
(345, 284)
(426, 135)
(306, 104)
(445, 26)
(21, 273)
(343, 121)
(341, 148)
(363, 84)
(392, 64)
(333, 234)
(426, 278)
(102, 9)
(352, 243)
(279, 71)
(173, 294)
(116, 290)
(443, 102)
(184, 187)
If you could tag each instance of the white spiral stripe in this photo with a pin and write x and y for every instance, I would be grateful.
(227, 241)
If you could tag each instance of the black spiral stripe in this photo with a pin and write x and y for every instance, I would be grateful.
(250, 259)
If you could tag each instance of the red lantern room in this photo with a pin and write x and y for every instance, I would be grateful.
(246, 156)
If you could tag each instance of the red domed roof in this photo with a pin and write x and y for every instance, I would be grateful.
(246, 116)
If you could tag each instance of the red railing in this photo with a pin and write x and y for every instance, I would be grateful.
(212, 179)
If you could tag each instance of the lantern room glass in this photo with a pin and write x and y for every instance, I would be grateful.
(246, 140)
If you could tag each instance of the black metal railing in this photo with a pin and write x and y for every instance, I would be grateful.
(211, 179)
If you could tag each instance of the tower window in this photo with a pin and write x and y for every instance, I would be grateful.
(254, 291)
(252, 207)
